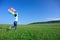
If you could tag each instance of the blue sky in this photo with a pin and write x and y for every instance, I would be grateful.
(30, 10)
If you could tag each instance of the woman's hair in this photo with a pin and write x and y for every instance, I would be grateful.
(15, 15)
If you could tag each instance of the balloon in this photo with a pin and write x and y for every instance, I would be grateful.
(11, 12)
(11, 9)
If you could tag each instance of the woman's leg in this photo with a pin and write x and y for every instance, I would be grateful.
(15, 25)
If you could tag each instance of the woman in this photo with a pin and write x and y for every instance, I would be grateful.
(15, 14)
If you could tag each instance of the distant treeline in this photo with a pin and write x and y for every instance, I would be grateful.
(55, 21)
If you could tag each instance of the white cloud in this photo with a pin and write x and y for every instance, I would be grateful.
(49, 19)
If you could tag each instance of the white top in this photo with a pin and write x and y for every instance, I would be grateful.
(16, 18)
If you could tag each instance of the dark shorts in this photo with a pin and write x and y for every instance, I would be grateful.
(15, 23)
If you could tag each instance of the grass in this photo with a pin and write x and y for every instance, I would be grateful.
(31, 32)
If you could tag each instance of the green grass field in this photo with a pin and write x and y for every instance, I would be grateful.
(31, 32)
